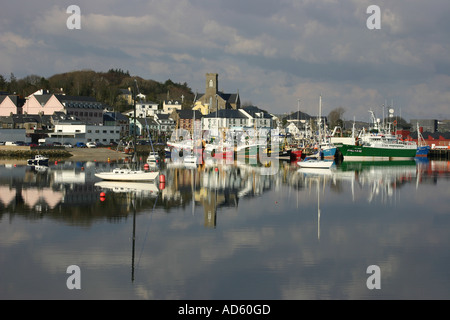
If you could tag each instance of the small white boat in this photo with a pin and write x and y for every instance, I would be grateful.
(38, 160)
(316, 163)
(119, 174)
(153, 158)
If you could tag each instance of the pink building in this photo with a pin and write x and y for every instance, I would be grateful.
(11, 104)
(45, 104)
(86, 109)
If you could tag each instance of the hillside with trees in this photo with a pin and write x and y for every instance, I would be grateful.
(103, 86)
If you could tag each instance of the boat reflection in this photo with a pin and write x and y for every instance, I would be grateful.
(210, 187)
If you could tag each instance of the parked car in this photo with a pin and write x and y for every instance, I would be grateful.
(10, 143)
(57, 144)
(68, 145)
(91, 144)
(80, 145)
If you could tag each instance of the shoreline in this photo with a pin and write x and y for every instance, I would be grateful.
(73, 154)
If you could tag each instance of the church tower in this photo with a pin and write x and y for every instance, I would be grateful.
(212, 90)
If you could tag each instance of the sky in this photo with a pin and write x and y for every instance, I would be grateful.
(280, 55)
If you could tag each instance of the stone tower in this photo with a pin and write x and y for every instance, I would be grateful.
(212, 84)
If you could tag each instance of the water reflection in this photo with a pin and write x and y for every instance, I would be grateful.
(212, 186)
(227, 231)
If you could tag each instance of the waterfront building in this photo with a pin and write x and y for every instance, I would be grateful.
(118, 120)
(73, 131)
(87, 109)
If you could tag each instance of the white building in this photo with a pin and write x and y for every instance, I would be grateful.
(144, 110)
(77, 132)
(170, 105)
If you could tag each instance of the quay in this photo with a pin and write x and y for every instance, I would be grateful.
(439, 153)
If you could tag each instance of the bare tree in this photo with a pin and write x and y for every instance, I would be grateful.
(335, 117)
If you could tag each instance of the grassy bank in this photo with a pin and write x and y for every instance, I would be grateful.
(27, 154)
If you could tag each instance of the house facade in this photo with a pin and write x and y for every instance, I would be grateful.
(11, 104)
(217, 122)
(170, 106)
(144, 109)
(86, 109)
(74, 132)
(184, 119)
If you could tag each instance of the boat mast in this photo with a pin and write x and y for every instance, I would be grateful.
(134, 158)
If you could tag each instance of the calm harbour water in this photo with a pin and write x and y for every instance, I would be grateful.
(227, 232)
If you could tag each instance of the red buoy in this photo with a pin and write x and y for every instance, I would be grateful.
(146, 166)
(162, 178)
(102, 194)
(162, 185)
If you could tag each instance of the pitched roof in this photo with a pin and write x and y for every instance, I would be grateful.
(252, 110)
(81, 102)
(226, 113)
(189, 114)
(298, 115)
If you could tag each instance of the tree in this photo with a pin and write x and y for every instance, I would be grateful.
(335, 117)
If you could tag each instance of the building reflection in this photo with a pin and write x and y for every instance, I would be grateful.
(71, 190)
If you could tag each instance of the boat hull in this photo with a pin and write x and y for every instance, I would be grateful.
(296, 154)
(128, 176)
(316, 164)
(367, 153)
(423, 151)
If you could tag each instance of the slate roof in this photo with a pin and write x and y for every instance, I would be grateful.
(189, 114)
(80, 102)
(252, 110)
(226, 113)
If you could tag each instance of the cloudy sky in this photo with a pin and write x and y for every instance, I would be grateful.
(273, 52)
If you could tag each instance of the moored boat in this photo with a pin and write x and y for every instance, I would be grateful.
(316, 163)
(378, 143)
(124, 174)
(38, 160)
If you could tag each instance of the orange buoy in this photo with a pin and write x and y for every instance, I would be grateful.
(162, 178)
(162, 185)
(102, 199)
(102, 194)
